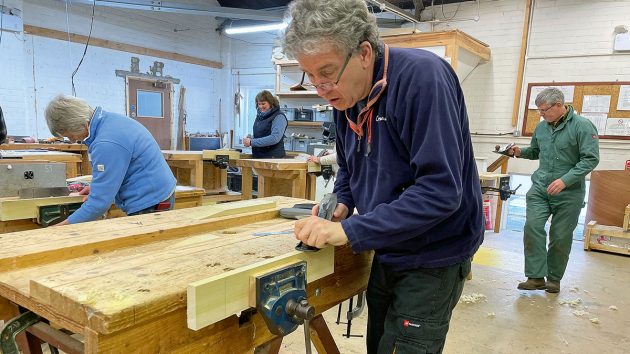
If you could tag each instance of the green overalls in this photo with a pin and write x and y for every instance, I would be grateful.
(569, 152)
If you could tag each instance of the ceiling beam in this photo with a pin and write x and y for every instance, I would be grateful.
(123, 47)
(200, 10)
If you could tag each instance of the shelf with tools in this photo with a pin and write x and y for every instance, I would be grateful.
(289, 81)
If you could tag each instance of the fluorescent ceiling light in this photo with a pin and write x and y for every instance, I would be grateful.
(259, 28)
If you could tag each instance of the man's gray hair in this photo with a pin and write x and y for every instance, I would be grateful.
(67, 114)
(550, 96)
(344, 24)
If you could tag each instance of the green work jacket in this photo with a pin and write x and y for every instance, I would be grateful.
(569, 152)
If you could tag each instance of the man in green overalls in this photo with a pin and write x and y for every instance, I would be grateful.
(568, 149)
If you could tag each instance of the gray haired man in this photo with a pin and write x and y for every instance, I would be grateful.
(405, 163)
(568, 149)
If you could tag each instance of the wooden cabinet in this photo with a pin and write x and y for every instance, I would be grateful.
(462, 51)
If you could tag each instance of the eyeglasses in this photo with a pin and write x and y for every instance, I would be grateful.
(327, 86)
(543, 111)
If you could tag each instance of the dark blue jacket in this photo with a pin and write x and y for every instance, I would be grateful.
(417, 193)
(269, 129)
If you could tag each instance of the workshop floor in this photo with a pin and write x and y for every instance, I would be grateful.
(501, 319)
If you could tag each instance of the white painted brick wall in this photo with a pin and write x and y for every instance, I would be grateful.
(12, 97)
(97, 83)
(42, 66)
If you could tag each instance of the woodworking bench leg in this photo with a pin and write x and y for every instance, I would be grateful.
(311, 186)
(72, 169)
(86, 168)
(321, 336)
(246, 183)
(196, 173)
(298, 185)
(264, 186)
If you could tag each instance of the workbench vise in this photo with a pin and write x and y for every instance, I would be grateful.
(221, 161)
(281, 298)
(504, 188)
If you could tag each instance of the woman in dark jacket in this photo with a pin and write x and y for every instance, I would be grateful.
(269, 128)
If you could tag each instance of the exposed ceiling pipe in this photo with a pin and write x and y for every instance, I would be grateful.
(386, 6)
(201, 10)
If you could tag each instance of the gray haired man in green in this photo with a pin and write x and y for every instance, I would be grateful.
(568, 149)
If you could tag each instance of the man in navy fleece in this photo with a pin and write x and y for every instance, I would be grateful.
(127, 164)
(405, 163)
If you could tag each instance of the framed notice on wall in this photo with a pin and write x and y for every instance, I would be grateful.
(606, 104)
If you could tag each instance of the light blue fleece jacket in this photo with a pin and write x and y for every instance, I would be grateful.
(127, 167)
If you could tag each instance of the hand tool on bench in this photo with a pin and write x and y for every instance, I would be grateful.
(326, 209)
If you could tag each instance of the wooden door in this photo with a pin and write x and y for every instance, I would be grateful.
(149, 102)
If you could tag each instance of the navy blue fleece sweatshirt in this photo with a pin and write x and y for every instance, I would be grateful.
(417, 193)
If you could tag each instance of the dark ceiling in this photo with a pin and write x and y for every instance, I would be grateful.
(267, 4)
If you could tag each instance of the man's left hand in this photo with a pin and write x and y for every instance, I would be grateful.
(318, 232)
(556, 187)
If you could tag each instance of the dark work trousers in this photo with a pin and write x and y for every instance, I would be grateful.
(165, 205)
(409, 311)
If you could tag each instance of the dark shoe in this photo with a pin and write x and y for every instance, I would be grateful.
(552, 286)
(532, 284)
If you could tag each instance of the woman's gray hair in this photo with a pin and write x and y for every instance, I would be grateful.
(343, 24)
(67, 114)
(550, 95)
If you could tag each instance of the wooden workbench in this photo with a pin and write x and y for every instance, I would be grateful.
(72, 161)
(185, 197)
(84, 169)
(285, 177)
(189, 168)
(121, 283)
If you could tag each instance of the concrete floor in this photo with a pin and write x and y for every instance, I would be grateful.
(508, 320)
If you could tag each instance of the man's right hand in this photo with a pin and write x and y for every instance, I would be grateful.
(515, 151)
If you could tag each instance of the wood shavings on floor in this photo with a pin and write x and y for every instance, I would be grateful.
(579, 313)
(572, 303)
(473, 298)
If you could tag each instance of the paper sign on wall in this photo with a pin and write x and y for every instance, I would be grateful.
(599, 120)
(596, 103)
(624, 98)
(618, 126)
(566, 90)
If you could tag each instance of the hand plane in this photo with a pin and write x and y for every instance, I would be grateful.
(326, 209)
